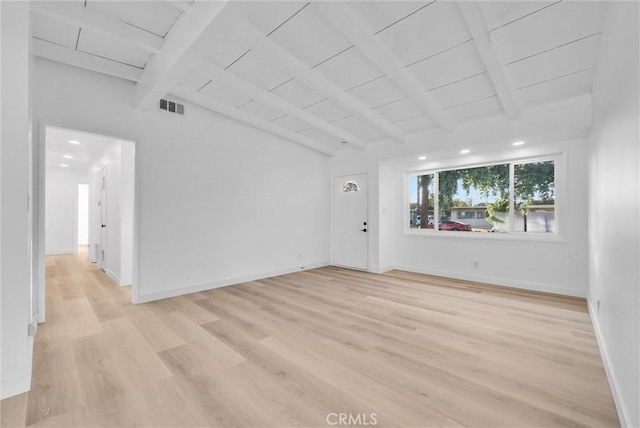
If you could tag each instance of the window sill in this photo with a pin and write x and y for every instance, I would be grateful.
(427, 233)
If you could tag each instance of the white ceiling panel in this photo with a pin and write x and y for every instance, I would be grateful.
(156, 17)
(399, 110)
(93, 42)
(267, 16)
(225, 94)
(328, 110)
(194, 81)
(250, 67)
(451, 66)
(378, 15)
(360, 69)
(464, 91)
(297, 93)
(564, 60)
(553, 90)
(223, 54)
(54, 31)
(377, 92)
(262, 111)
(292, 123)
(415, 124)
(359, 128)
(413, 39)
(309, 37)
(499, 13)
(549, 28)
(475, 110)
(223, 43)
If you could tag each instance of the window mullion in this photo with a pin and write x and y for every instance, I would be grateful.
(512, 204)
(436, 200)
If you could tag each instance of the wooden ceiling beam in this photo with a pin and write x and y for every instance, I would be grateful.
(178, 54)
(76, 58)
(481, 36)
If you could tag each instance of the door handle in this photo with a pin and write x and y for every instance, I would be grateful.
(363, 230)
(104, 225)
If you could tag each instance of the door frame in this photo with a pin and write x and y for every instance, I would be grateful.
(333, 221)
(38, 285)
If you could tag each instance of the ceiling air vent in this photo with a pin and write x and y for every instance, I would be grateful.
(172, 107)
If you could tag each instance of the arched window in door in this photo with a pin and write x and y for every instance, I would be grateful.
(350, 186)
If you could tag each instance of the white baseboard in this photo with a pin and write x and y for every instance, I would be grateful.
(120, 281)
(383, 269)
(179, 291)
(115, 278)
(59, 252)
(19, 384)
(532, 286)
(608, 368)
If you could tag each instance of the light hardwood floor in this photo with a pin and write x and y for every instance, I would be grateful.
(401, 349)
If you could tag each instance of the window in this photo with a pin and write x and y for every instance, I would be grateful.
(350, 186)
(534, 197)
(486, 186)
(421, 201)
(510, 197)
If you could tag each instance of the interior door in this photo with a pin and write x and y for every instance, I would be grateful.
(350, 222)
(103, 217)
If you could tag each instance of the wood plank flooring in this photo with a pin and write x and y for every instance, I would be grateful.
(298, 350)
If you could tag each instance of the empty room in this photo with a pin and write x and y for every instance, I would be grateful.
(320, 214)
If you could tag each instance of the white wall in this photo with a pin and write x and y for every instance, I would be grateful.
(83, 214)
(61, 209)
(219, 202)
(614, 208)
(127, 182)
(15, 368)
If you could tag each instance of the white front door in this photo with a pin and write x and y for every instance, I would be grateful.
(350, 223)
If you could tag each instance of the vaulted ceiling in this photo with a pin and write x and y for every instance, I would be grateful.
(330, 75)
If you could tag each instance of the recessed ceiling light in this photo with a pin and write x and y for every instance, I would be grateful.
(67, 156)
(464, 152)
(74, 142)
(422, 158)
(518, 143)
(64, 165)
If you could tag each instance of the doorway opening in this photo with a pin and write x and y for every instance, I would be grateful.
(86, 199)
